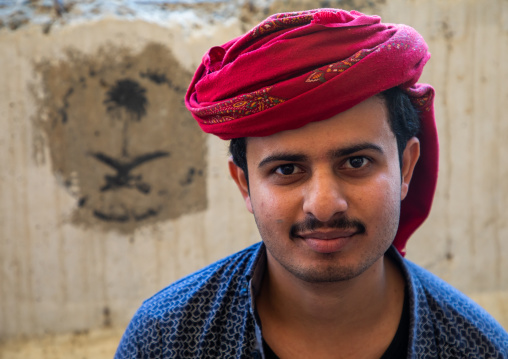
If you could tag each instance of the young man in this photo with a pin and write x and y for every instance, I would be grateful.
(334, 151)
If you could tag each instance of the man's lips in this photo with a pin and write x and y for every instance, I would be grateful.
(328, 241)
(327, 235)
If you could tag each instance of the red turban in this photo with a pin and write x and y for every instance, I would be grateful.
(298, 67)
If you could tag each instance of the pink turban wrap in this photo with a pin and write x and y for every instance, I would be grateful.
(295, 68)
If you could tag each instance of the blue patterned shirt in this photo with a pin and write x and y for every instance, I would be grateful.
(210, 314)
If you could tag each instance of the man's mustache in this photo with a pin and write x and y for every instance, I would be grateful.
(311, 224)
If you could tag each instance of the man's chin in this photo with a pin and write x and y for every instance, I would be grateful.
(327, 274)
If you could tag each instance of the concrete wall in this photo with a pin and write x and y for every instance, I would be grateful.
(104, 201)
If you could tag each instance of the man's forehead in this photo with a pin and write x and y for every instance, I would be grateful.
(364, 123)
(370, 112)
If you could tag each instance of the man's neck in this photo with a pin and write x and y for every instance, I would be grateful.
(331, 319)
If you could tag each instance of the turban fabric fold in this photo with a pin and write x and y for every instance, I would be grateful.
(299, 67)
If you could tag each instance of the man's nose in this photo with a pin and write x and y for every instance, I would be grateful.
(324, 196)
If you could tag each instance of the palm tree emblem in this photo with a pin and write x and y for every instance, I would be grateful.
(126, 100)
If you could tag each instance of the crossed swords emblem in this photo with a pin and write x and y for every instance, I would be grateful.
(123, 177)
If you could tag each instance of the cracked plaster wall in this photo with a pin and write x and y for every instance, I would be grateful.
(65, 269)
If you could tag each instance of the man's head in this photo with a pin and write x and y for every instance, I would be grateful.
(294, 69)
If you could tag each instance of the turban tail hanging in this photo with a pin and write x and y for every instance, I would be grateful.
(300, 67)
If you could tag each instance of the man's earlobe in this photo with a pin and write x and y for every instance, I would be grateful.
(409, 159)
(240, 179)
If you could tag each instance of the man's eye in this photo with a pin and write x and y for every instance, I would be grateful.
(286, 170)
(356, 162)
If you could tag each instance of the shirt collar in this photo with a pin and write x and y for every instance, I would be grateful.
(257, 271)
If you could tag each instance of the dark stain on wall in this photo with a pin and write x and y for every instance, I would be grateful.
(127, 94)
(106, 317)
(120, 139)
(161, 79)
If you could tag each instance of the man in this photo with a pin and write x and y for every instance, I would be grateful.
(334, 150)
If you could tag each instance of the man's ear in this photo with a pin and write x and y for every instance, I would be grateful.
(238, 176)
(409, 158)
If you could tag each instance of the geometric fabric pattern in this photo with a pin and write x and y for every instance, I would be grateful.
(210, 314)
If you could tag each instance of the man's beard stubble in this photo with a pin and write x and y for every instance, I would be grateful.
(331, 273)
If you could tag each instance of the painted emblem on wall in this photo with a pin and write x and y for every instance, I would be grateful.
(120, 138)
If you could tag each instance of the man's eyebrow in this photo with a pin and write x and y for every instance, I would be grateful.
(346, 151)
(340, 152)
(288, 157)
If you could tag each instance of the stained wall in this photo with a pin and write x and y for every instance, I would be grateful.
(109, 191)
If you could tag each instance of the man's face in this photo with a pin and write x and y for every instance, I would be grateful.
(326, 197)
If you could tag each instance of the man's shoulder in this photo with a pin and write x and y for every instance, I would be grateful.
(212, 280)
(209, 307)
(451, 322)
